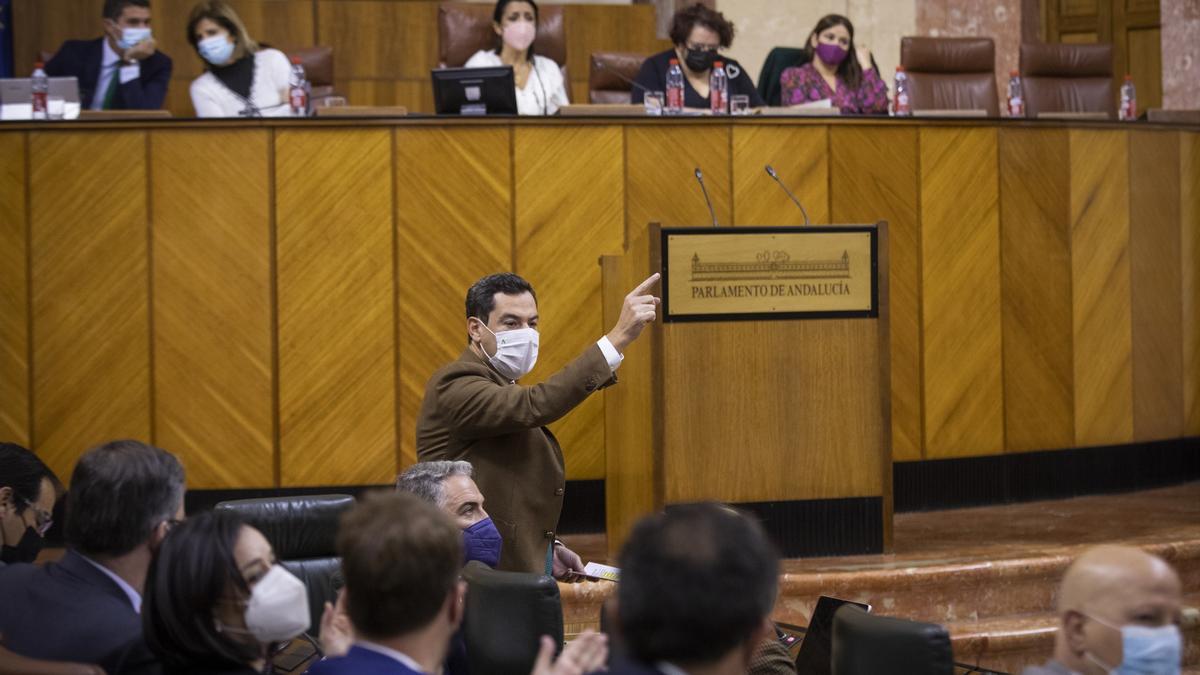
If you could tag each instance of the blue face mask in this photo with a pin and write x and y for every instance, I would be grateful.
(215, 49)
(1147, 651)
(132, 36)
(482, 542)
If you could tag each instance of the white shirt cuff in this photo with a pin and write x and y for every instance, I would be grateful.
(610, 352)
(130, 73)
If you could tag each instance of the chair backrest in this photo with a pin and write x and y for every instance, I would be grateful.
(609, 74)
(318, 67)
(950, 73)
(778, 60)
(867, 644)
(303, 532)
(505, 617)
(1067, 78)
(464, 28)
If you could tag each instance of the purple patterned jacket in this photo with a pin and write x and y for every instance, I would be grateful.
(803, 84)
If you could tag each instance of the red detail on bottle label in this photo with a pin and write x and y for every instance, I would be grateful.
(298, 99)
(39, 102)
(675, 98)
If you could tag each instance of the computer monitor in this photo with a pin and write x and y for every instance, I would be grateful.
(16, 97)
(475, 91)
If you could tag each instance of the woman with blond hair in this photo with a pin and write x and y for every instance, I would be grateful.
(241, 78)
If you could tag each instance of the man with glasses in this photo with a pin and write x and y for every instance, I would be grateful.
(125, 496)
(28, 490)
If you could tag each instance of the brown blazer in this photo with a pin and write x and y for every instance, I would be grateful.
(471, 412)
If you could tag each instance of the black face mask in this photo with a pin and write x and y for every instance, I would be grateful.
(26, 550)
(698, 61)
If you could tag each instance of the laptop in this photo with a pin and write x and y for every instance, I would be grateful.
(816, 651)
(16, 97)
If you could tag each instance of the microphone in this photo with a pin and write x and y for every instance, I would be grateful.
(604, 66)
(772, 174)
(704, 190)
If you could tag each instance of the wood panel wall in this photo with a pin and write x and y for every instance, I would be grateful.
(383, 49)
(268, 300)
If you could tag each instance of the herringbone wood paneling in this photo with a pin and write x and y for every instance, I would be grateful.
(447, 238)
(212, 305)
(1035, 260)
(567, 211)
(335, 242)
(799, 154)
(91, 330)
(960, 277)
(1189, 183)
(14, 291)
(874, 177)
(1100, 287)
(659, 182)
(1154, 244)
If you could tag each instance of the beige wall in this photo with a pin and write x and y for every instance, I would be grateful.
(1181, 53)
(763, 24)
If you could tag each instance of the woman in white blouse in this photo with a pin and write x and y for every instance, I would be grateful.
(540, 87)
(242, 79)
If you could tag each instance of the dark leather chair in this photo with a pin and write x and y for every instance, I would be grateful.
(609, 74)
(505, 617)
(951, 73)
(318, 68)
(464, 28)
(867, 644)
(778, 60)
(303, 531)
(1067, 78)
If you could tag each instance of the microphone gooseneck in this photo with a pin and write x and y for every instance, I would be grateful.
(704, 191)
(772, 174)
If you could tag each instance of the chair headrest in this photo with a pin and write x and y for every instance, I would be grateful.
(608, 67)
(1058, 60)
(297, 527)
(868, 643)
(948, 55)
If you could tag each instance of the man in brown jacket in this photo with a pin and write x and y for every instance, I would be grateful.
(475, 411)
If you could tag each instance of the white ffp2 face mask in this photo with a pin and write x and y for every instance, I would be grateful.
(516, 351)
(278, 608)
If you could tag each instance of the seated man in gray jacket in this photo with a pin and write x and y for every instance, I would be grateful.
(1119, 612)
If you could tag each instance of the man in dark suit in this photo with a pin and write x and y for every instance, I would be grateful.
(475, 411)
(121, 70)
(698, 584)
(124, 498)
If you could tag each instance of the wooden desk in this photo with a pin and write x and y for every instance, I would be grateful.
(267, 298)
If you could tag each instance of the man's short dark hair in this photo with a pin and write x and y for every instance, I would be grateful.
(481, 297)
(22, 471)
(400, 557)
(119, 493)
(696, 582)
(114, 8)
(698, 15)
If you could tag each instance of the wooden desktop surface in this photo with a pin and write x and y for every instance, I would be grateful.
(267, 298)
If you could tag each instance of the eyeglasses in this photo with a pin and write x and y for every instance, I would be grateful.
(43, 519)
(701, 48)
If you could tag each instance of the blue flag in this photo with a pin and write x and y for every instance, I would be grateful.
(6, 41)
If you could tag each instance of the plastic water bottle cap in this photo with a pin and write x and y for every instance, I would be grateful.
(899, 69)
(39, 64)
(1014, 73)
(718, 64)
(674, 62)
(296, 60)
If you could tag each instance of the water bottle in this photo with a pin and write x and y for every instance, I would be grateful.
(718, 89)
(674, 88)
(298, 89)
(901, 107)
(1016, 96)
(1128, 110)
(41, 91)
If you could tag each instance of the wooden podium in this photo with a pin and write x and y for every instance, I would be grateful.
(763, 384)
